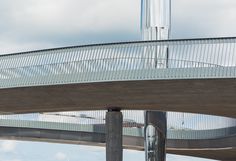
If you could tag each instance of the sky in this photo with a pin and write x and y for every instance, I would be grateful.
(31, 24)
(37, 24)
(35, 151)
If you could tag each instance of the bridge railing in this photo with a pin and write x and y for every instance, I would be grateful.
(169, 59)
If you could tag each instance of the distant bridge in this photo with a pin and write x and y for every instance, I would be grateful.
(59, 129)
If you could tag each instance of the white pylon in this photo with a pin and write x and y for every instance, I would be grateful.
(155, 19)
(155, 25)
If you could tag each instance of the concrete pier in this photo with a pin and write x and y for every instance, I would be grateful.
(114, 149)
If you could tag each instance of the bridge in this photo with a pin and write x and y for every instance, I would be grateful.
(88, 128)
(199, 78)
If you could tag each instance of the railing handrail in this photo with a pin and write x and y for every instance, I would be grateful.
(117, 43)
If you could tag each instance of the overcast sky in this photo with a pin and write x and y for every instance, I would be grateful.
(33, 24)
(37, 24)
(33, 151)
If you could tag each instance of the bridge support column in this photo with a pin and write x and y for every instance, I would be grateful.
(155, 135)
(114, 122)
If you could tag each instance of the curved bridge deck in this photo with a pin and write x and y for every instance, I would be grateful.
(198, 76)
(220, 149)
(207, 96)
(88, 128)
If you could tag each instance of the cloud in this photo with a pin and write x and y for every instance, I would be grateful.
(203, 18)
(60, 156)
(70, 15)
(11, 46)
(30, 24)
(11, 160)
(65, 20)
(8, 146)
(41, 24)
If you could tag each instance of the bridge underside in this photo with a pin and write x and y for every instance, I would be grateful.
(206, 96)
(220, 149)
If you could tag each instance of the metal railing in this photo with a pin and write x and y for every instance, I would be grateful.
(187, 59)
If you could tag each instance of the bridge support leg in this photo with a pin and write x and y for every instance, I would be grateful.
(155, 135)
(114, 122)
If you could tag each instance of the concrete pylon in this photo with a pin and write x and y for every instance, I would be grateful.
(155, 135)
(114, 125)
(155, 25)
